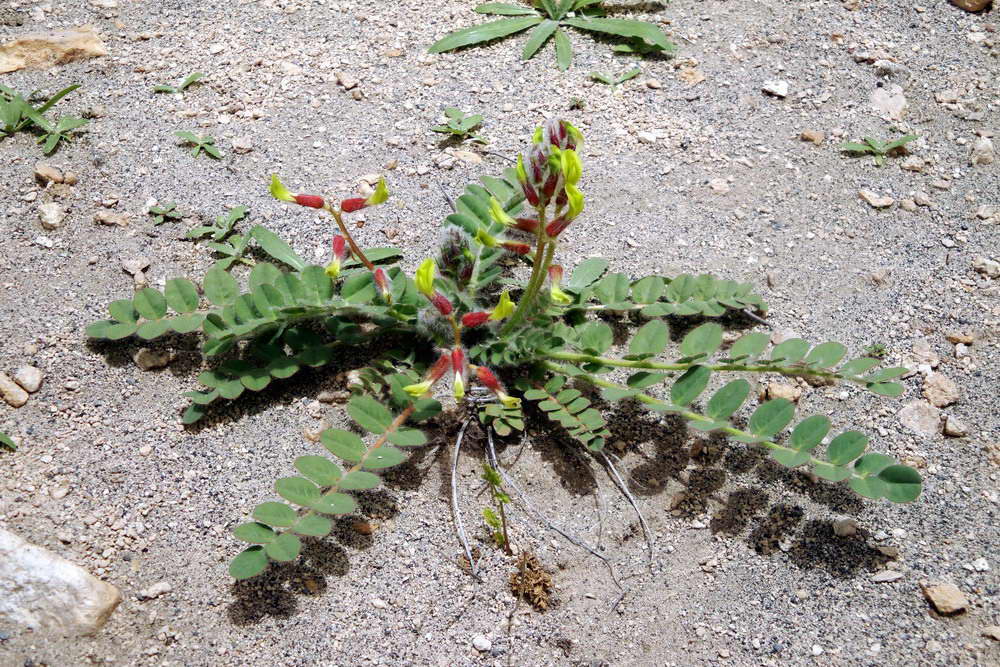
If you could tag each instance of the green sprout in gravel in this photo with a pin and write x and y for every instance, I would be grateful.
(224, 241)
(567, 343)
(877, 350)
(880, 150)
(612, 81)
(7, 442)
(460, 124)
(182, 86)
(17, 114)
(205, 143)
(496, 522)
(164, 213)
(549, 18)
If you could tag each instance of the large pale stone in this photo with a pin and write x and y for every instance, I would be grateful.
(921, 417)
(46, 592)
(971, 5)
(42, 50)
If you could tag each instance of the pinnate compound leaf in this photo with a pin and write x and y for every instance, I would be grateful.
(690, 385)
(650, 340)
(359, 480)
(587, 273)
(790, 351)
(274, 514)
(702, 341)
(181, 295)
(826, 355)
(335, 503)
(728, 399)
(846, 447)
(220, 287)
(318, 469)
(385, 456)
(902, 483)
(254, 533)
(749, 346)
(313, 525)
(369, 414)
(407, 437)
(770, 417)
(150, 303)
(248, 563)
(483, 33)
(344, 444)
(285, 548)
(297, 490)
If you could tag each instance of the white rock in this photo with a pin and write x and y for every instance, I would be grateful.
(953, 428)
(156, 590)
(941, 391)
(886, 576)
(876, 200)
(44, 50)
(845, 528)
(982, 151)
(719, 185)
(776, 88)
(29, 377)
(51, 215)
(43, 591)
(481, 643)
(988, 267)
(979, 565)
(889, 101)
(12, 392)
(104, 4)
(920, 417)
(647, 137)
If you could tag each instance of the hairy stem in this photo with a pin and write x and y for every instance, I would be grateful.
(543, 257)
(355, 250)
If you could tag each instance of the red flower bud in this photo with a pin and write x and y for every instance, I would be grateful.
(458, 360)
(515, 247)
(440, 367)
(561, 199)
(530, 194)
(555, 274)
(352, 205)
(441, 302)
(556, 227)
(475, 319)
(312, 201)
(550, 185)
(529, 225)
(488, 379)
(339, 247)
(382, 282)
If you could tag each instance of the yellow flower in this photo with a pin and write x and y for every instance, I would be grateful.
(380, 195)
(279, 191)
(504, 308)
(425, 277)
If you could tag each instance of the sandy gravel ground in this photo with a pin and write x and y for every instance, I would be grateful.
(681, 174)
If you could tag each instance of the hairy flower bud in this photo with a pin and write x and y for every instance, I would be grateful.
(490, 381)
(556, 227)
(555, 291)
(435, 373)
(516, 247)
(352, 205)
(475, 319)
(527, 225)
(312, 201)
(459, 367)
(382, 282)
(442, 303)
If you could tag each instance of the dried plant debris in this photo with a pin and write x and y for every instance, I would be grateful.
(531, 582)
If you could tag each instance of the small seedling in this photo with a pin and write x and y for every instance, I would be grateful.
(205, 143)
(188, 80)
(165, 213)
(460, 124)
(577, 103)
(877, 148)
(549, 18)
(877, 350)
(8, 442)
(616, 81)
(224, 241)
(16, 114)
(497, 525)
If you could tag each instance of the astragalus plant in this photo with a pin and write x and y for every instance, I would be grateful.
(549, 334)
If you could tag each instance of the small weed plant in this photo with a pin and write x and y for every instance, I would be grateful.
(17, 114)
(880, 150)
(615, 81)
(460, 124)
(496, 521)
(7, 442)
(467, 322)
(164, 213)
(194, 77)
(205, 143)
(550, 18)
